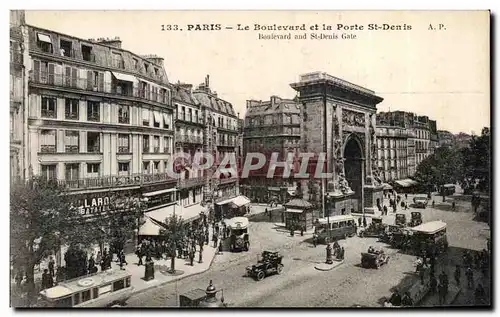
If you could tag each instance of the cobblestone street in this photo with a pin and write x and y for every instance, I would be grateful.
(301, 285)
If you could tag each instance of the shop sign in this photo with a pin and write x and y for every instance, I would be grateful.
(93, 205)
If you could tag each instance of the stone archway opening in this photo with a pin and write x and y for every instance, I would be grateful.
(353, 168)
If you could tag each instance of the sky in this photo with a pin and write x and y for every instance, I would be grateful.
(443, 74)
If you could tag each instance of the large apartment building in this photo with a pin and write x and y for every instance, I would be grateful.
(271, 126)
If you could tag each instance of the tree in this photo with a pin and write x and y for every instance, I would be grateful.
(173, 232)
(117, 223)
(477, 162)
(41, 218)
(442, 167)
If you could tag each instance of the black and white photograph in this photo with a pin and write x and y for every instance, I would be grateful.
(250, 159)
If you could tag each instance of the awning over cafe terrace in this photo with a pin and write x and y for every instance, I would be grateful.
(405, 182)
(188, 214)
(238, 201)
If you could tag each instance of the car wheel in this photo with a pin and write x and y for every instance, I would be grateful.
(327, 240)
(279, 269)
(247, 246)
(377, 264)
(260, 276)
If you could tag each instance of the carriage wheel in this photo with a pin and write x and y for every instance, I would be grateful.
(279, 269)
(260, 276)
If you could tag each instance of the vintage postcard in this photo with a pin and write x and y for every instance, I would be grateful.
(250, 159)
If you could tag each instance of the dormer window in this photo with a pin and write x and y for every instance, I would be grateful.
(146, 67)
(87, 53)
(156, 71)
(44, 42)
(66, 48)
(135, 63)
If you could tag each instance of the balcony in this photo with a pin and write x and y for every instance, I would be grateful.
(227, 180)
(115, 181)
(85, 84)
(94, 117)
(47, 149)
(48, 113)
(145, 149)
(71, 115)
(191, 182)
(156, 149)
(93, 149)
(71, 149)
(189, 139)
(123, 149)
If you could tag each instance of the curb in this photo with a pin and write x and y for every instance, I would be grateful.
(181, 277)
(328, 267)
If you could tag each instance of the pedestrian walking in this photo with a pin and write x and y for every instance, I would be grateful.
(215, 239)
(421, 274)
(457, 275)
(315, 239)
(432, 284)
(433, 204)
(470, 277)
(442, 294)
(302, 231)
(47, 280)
(359, 222)
(51, 266)
(406, 196)
(220, 248)
(191, 257)
(453, 205)
(385, 210)
(364, 222)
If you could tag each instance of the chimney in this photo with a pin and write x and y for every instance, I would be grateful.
(274, 100)
(17, 17)
(115, 42)
(155, 59)
(207, 81)
(238, 114)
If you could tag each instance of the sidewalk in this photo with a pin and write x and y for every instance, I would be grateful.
(162, 266)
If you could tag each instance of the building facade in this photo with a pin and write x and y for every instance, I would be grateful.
(392, 153)
(338, 118)
(17, 108)
(271, 127)
(422, 135)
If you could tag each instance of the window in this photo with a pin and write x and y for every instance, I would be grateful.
(145, 143)
(145, 167)
(190, 115)
(76, 299)
(85, 296)
(87, 53)
(71, 109)
(66, 48)
(145, 117)
(123, 114)
(156, 119)
(123, 167)
(117, 60)
(105, 289)
(156, 144)
(71, 141)
(183, 113)
(156, 166)
(44, 43)
(65, 302)
(195, 116)
(166, 145)
(93, 168)
(118, 285)
(93, 142)
(48, 141)
(72, 172)
(123, 143)
(93, 111)
(156, 71)
(95, 293)
(49, 107)
(146, 68)
(49, 172)
(166, 121)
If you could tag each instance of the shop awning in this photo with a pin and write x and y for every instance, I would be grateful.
(157, 116)
(159, 192)
(236, 200)
(240, 201)
(405, 182)
(124, 77)
(297, 211)
(188, 214)
(44, 38)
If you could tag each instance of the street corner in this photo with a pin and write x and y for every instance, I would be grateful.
(328, 267)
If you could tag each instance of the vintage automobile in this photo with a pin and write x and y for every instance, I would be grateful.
(375, 229)
(374, 259)
(420, 201)
(192, 298)
(269, 263)
(400, 220)
(239, 239)
(416, 219)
